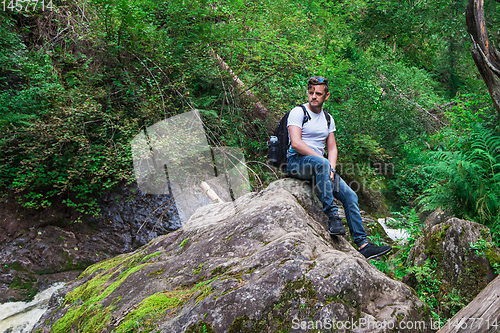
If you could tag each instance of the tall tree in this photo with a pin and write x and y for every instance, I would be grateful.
(485, 54)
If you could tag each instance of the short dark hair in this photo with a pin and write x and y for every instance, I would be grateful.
(317, 80)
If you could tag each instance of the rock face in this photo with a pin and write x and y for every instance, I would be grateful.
(38, 248)
(461, 254)
(437, 216)
(259, 264)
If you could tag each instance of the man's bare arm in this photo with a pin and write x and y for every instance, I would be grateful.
(331, 146)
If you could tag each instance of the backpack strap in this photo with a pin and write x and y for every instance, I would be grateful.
(328, 118)
(307, 117)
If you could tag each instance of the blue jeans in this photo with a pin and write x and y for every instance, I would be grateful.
(310, 167)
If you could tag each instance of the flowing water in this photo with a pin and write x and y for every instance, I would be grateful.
(394, 234)
(20, 317)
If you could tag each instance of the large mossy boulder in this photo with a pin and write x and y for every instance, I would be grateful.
(259, 264)
(461, 255)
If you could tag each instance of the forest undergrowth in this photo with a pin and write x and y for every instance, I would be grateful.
(415, 124)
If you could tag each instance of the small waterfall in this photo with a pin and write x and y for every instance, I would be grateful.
(20, 317)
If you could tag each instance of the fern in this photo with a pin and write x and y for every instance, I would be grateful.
(470, 179)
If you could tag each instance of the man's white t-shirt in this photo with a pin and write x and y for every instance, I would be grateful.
(315, 130)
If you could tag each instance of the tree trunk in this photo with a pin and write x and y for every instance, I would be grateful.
(259, 109)
(480, 315)
(484, 53)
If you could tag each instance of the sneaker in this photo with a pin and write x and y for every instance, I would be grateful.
(371, 251)
(335, 226)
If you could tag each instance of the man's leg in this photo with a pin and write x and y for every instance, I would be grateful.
(349, 200)
(307, 167)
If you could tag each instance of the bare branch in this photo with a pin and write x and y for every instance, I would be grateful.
(419, 107)
(159, 89)
(484, 52)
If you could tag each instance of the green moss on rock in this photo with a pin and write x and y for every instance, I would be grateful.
(104, 265)
(197, 270)
(157, 272)
(492, 256)
(184, 242)
(149, 256)
(240, 325)
(85, 313)
(26, 285)
(200, 327)
(153, 308)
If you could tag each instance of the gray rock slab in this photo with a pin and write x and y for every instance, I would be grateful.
(262, 263)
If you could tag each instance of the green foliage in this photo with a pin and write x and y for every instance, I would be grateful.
(409, 221)
(430, 35)
(471, 177)
(480, 246)
(87, 80)
(69, 137)
(385, 100)
(452, 302)
(428, 281)
(411, 177)
(27, 82)
(396, 265)
(469, 110)
(79, 149)
(462, 115)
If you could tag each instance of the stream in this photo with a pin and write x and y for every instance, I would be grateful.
(394, 234)
(20, 317)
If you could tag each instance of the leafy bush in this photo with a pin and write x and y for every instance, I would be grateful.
(386, 100)
(411, 177)
(470, 180)
(27, 82)
(78, 150)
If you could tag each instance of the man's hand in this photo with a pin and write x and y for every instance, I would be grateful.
(335, 185)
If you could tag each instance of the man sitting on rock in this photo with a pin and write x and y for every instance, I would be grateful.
(306, 161)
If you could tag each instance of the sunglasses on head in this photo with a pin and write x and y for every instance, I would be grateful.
(319, 78)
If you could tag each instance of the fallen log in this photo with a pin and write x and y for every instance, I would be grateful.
(480, 315)
(259, 109)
